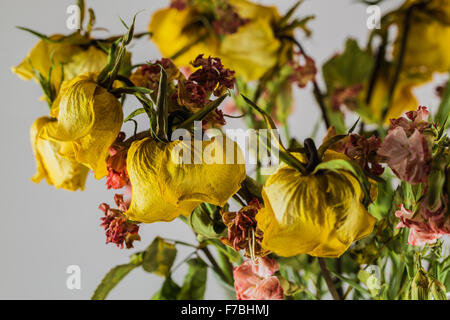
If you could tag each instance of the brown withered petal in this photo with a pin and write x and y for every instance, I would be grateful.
(242, 229)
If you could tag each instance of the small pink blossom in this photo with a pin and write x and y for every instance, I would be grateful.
(414, 120)
(118, 229)
(304, 72)
(116, 163)
(256, 281)
(408, 157)
(422, 230)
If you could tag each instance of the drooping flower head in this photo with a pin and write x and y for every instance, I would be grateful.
(89, 119)
(118, 229)
(50, 164)
(256, 281)
(69, 59)
(316, 214)
(165, 186)
(243, 35)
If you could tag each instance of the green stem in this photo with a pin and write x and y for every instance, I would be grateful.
(318, 95)
(215, 265)
(401, 57)
(328, 280)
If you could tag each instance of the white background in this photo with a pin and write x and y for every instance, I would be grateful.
(44, 230)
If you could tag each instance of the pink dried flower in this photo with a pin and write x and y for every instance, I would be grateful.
(422, 230)
(118, 229)
(212, 75)
(364, 151)
(227, 21)
(256, 281)
(346, 96)
(408, 157)
(180, 5)
(415, 120)
(304, 73)
(116, 164)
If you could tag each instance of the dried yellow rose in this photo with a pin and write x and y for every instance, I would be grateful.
(164, 188)
(50, 165)
(68, 57)
(89, 119)
(318, 214)
(251, 51)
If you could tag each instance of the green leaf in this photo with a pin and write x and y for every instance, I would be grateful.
(328, 143)
(161, 106)
(353, 283)
(382, 205)
(81, 5)
(40, 35)
(199, 115)
(169, 290)
(91, 21)
(438, 290)
(354, 126)
(371, 282)
(159, 257)
(351, 166)
(443, 112)
(353, 66)
(207, 224)
(289, 14)
(194, 284)
(134, 114)
(131, 90)
(111, 279)
(283, 153)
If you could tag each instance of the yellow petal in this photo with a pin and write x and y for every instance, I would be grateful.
(170, 33)
(404, 99)
(252, 50)
(319, 215)
(50, 165)
(250, 10)
(90, 118)
(73, 59)
(163, 188)
(91, 59)
(432, 55)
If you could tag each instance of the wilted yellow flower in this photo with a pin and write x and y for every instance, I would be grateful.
(57, 170)
(164, 188)
(251, 51)
(89, 119)
(73, 59)
(402, 101)
(319, 215)
(428, 45)
(171, 33)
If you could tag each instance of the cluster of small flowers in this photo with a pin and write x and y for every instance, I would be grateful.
(408, 152)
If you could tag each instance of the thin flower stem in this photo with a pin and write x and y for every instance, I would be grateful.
(318, 95)
(401, 58)
(328, 280)
(215, 265)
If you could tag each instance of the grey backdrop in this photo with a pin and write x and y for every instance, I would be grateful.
(44, 230)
